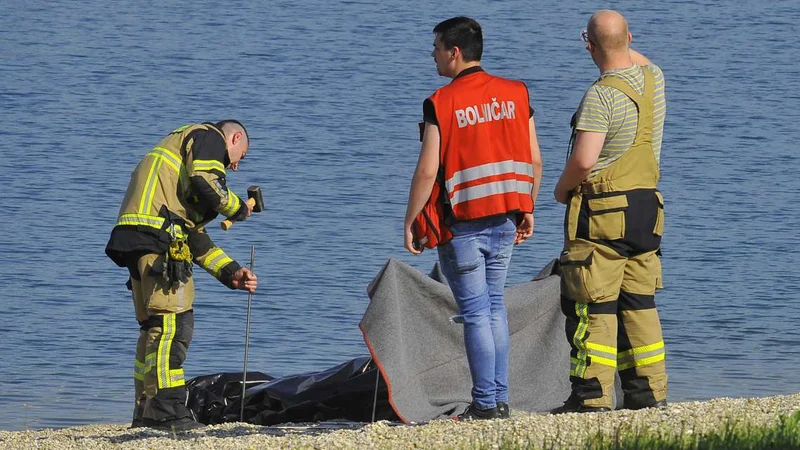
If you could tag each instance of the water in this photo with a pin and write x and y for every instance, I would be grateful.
(331, 94)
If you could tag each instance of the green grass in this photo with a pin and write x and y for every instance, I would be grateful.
(784, 435)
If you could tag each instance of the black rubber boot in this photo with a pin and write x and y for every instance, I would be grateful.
(634, 405)
(137, 416)
(174, 425)
(575, 405)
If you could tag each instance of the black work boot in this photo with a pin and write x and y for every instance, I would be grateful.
(475, 413)
(137, 416)
(635, 405)
(174, 425)
(574, 404)
(502, 410)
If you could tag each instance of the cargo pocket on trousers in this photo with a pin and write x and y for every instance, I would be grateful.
(658, 230)
(607, 217)
(162, 298)
(578, 274)
(659, 271)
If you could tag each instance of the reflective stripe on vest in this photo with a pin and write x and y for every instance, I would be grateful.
(490, 179)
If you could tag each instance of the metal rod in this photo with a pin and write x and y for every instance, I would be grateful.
(247, 333)
(375, 397)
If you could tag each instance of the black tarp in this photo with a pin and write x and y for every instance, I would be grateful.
(344, 392)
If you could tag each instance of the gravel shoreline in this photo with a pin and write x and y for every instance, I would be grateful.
(536, 430)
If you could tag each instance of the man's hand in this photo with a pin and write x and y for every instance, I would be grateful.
(422, 181)
(250, 206)
(245, 280)
(524, 229)
(409, 241)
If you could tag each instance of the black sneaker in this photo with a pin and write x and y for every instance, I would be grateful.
(502, 410)
(174, 425)
(574, 404)
(137, 423)
(633, 405)
(475, 413)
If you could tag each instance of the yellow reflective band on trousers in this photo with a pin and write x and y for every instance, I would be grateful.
(214, 261)
(578, 366)
(641, 356)
(167, 378)
(150, 361)
(176, 378)
(138, 370)
(602, 354)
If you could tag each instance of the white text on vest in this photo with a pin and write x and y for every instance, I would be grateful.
(485, 112)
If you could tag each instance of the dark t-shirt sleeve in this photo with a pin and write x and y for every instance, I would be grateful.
(530, 105)
(429, 112)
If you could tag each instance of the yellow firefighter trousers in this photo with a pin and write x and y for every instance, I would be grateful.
(167, 325)
(610, 269)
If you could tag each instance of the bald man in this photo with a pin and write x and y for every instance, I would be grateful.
(176, 189)
(610, 266)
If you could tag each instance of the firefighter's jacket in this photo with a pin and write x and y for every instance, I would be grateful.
(176, 189)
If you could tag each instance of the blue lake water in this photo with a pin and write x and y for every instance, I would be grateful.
(331, 93)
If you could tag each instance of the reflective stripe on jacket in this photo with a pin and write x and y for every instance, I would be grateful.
(162, 202)
(161, 181)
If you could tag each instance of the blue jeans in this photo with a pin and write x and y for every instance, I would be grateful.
(475, 263)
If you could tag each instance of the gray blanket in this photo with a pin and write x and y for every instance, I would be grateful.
(420, 351)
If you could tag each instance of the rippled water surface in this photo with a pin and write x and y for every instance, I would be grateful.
(332, 93)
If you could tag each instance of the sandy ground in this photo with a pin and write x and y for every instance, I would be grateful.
(564, 431)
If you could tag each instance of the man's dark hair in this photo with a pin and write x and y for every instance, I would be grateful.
(222, 123)
(464, 33)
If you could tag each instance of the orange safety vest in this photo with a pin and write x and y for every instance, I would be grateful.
(485, 152)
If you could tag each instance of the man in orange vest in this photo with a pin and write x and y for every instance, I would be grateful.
(479, 148)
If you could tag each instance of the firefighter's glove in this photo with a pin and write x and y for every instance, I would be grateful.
(178, 263)
(177, 272)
